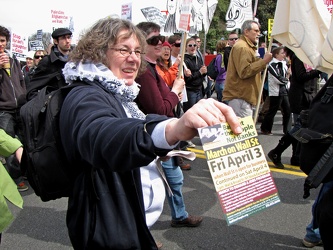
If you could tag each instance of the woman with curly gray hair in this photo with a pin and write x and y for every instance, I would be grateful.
(108, 140)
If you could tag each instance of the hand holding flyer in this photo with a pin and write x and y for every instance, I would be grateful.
(239, 170)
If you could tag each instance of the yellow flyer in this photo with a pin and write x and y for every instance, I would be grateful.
(239, 170)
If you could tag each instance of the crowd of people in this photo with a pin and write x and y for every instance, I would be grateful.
(133, 91)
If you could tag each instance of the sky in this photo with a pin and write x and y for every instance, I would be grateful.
(26, 17)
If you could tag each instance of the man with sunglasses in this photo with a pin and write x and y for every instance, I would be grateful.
(36, 56)
(51, 65)
(232, 39)
(175, 42)
(243, 79)
(155, 97)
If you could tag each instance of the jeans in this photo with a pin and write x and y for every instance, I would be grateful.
(174, 176)
(11, 123)
(193, 96)
(219, 86)
(312, 234)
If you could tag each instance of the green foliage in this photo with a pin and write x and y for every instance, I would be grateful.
(217, 29)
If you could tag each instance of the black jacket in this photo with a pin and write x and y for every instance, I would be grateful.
(47, 73)
(106, 210)
(302, 85)
(195, 80)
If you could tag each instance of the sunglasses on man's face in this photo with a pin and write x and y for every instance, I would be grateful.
(192, 45)
(154, 40)
(177, 44)
(37, 57)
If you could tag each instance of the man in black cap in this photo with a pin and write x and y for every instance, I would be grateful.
(49, 69)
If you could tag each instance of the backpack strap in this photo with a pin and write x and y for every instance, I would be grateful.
(319, 172)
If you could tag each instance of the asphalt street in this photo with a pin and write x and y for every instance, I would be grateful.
(41, 225)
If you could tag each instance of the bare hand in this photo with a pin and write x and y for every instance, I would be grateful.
(206, 112)
(187, 72)
(3, 59)
(18, 154)
(203, 70)
(178, 86)
(267, 57)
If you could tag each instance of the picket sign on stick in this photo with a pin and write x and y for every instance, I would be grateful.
(262, 85)
(182, 54)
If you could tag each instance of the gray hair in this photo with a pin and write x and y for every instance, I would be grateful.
(247, 25)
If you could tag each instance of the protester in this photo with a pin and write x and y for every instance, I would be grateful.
(194, 82)
(53, 63)
(301, 92)
(8, 189)
(243, 81)
(29, 59)
(37, 57)
(108, 138)
(12, 97)
(232, 39)
(155, 98)
(220, 79)
(278, 79)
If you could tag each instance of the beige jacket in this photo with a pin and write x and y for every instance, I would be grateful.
(243, 73)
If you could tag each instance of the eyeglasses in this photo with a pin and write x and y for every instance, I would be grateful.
(192, 45)
(127, 52)
(154, 40)
(37, 57)
(233, 39)
(177, 44)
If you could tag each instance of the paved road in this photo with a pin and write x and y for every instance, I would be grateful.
(42, 225)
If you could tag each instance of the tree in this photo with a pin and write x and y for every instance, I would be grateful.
(217, 29)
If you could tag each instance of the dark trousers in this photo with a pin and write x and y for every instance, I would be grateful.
(11, 123)
(274, 103)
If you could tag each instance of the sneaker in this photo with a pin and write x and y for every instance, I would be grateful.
(190, 221)
(22, 187)
(190, 144)
(310, 244)
(186, 166)
(275, 159)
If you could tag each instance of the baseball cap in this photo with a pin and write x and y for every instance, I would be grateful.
(61, 32)
(30, 54)
(166, 44)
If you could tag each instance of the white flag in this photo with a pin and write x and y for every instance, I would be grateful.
(303, 26)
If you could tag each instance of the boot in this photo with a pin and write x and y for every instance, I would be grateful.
(275, 154)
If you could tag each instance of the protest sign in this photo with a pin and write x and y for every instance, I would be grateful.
(239, 170)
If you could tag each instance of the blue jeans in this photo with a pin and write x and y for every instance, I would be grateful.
(11, 123)
(193, 96)
(174, 176)
(219, 86)
(312, 234)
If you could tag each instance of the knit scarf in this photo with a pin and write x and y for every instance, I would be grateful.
(91, 72)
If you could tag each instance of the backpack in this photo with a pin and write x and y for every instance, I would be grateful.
(212, 70)
(316, 137)
(49, 173)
